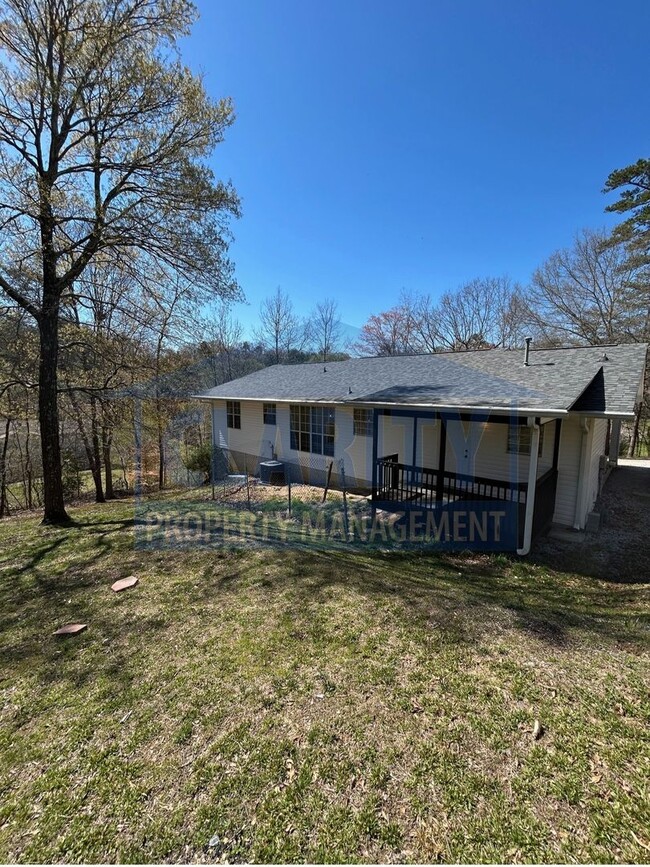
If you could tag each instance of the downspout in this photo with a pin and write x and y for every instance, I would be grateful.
(582, 475)
(531, 489)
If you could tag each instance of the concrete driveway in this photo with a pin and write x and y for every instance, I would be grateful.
(620, 550)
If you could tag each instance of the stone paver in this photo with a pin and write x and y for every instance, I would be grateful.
(71, 629)
(124, 584)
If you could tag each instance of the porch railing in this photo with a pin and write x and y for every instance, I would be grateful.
(426, 487)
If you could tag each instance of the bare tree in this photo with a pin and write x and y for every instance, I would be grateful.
(478, 315)
(221, 334)
(103, 134)
(589, 293)
(280, 330)
(325, 328)
(482, 313)
(398, 331)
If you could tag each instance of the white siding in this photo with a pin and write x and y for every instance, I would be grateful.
(255, 439)
(599, 436)
(568, 471)
(493, 460)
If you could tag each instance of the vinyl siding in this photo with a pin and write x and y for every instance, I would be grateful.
(255, 441)
(569, 468)
(599, 437)
(568, 471)
(493, 460)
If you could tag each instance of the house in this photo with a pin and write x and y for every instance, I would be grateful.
(531, 430)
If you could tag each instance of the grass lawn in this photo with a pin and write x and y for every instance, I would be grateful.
(294, 705)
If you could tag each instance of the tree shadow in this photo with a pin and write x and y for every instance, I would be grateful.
(477, 590)
(461, 596)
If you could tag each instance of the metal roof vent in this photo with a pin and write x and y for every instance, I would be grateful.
(324, 369)
(529, 340)
(605, 357)
(349, 390)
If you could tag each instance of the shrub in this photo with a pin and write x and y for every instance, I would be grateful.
(200, 460)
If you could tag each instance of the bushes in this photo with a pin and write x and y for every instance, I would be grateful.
(200, 460)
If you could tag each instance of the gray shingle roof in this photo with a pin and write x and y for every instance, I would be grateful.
(556, 379)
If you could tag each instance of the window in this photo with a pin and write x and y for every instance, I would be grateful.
(362, 422)
(311, 429)
(233, 413)
(519, 439)
(268, 411)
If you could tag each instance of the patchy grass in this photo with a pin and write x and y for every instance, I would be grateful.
(294, 705)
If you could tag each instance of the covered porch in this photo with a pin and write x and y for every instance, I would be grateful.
(525, 483)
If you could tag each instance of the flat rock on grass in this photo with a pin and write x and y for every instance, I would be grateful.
(70, 629)
(124, 584)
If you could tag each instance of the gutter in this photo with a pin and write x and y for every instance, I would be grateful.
(531, 489)
(551, 412)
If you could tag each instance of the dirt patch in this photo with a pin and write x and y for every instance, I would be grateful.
(620, 550)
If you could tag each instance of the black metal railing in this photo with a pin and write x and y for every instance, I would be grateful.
(424, 487)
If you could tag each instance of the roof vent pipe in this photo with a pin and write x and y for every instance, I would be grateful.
(529, 340)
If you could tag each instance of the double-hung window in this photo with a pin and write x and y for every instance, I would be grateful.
(233, 413)
(520, 439)
(311, 429)
(269, 413)
(362, 422)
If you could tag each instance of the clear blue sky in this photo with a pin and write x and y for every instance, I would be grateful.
(418, 144)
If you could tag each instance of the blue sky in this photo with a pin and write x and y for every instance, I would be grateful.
(419, 145)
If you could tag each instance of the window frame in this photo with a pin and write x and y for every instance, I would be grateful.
(267, 412)
(312, 429)
(362, 426)
(516, 446)
(233, 414)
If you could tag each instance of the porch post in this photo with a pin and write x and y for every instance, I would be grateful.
(442, 456)
(415, 440)
(531, 488)
(375, 431)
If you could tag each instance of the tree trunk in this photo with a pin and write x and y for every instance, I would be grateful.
(4, 507)
(108, 470)
(48, 416)
(90, 444)
(28, 462)
(21, 460)
(161, 460)
(96, 466)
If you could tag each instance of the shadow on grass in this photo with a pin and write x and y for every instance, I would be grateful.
(460, 596)
(475, 591)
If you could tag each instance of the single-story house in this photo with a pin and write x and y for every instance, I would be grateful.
(533, 427)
